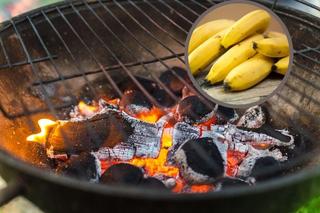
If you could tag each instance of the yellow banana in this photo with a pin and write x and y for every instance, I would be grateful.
(273, 47)
(273, 34)
(249, 73)
(206, 31)
(232, 58)
(206, 53)
(254, 22)
(282, 65)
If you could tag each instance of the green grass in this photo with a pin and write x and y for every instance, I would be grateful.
(312, 206)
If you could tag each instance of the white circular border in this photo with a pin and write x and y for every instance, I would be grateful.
(279, 87)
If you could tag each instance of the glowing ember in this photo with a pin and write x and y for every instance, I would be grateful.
(158, 165)
(151, 116)
(87, 110)
(201, 188)
(45, 126)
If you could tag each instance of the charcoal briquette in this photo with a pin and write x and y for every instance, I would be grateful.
(266, 168)
(192, 110)
(122, 173)
(172, 81)
(199, 161)
(229, 182)
(153, 183)
(83, 167)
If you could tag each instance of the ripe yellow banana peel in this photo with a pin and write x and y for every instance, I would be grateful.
(254, 22)
(248, 73)
(232, 58)
(206, 31)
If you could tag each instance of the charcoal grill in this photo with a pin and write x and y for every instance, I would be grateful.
(48, 54)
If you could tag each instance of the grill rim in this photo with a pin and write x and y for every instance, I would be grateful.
(151, 194)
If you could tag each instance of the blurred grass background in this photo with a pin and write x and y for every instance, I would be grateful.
(11, 8)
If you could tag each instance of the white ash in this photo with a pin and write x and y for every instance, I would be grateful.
(254, 117)
(287, 133)
(134, 109)
(121, 151)
(146, 138)
(170, 183)
(98, 167)
(189, 174)
(245, 168)
(233, 134)
(181, 132)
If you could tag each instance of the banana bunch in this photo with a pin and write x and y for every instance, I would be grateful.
(241, 54)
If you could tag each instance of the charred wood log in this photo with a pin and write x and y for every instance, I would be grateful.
(102, 130)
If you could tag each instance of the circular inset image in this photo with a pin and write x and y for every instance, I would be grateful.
(239, 53)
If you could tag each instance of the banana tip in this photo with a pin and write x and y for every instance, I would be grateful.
(226, 87)
(255, 45)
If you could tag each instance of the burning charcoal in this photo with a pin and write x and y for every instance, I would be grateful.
(226, 115)
(83, 166)
(253, 155)
(122, 173)
(227, 182)
(173, 82)
(200, 161)
(254, 117)
(153, 183)
(163, 98)
(192, 110)
(266, 168)
(134, 102)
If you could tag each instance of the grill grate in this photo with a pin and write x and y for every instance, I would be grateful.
(162, 16)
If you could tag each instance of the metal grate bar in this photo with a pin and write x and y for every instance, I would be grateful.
(297, 18)
(166, 17)
(177, 12)
(27, 62)
(301, 110)
(34, 69)
(5, 53)
(131, 53)
(65, 84)
(305, 80)
(155, 23)
(114, 85)
(148, 31)
(107, 68)
(310, 58)
(79, 69)
(307, 69)
(188, 8)
(199, 4)
(153, 54)
(151, 98)
(308, 4)
(304, 95)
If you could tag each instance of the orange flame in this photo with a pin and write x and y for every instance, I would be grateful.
(151, 116)
(87, 110)
(45, 126)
